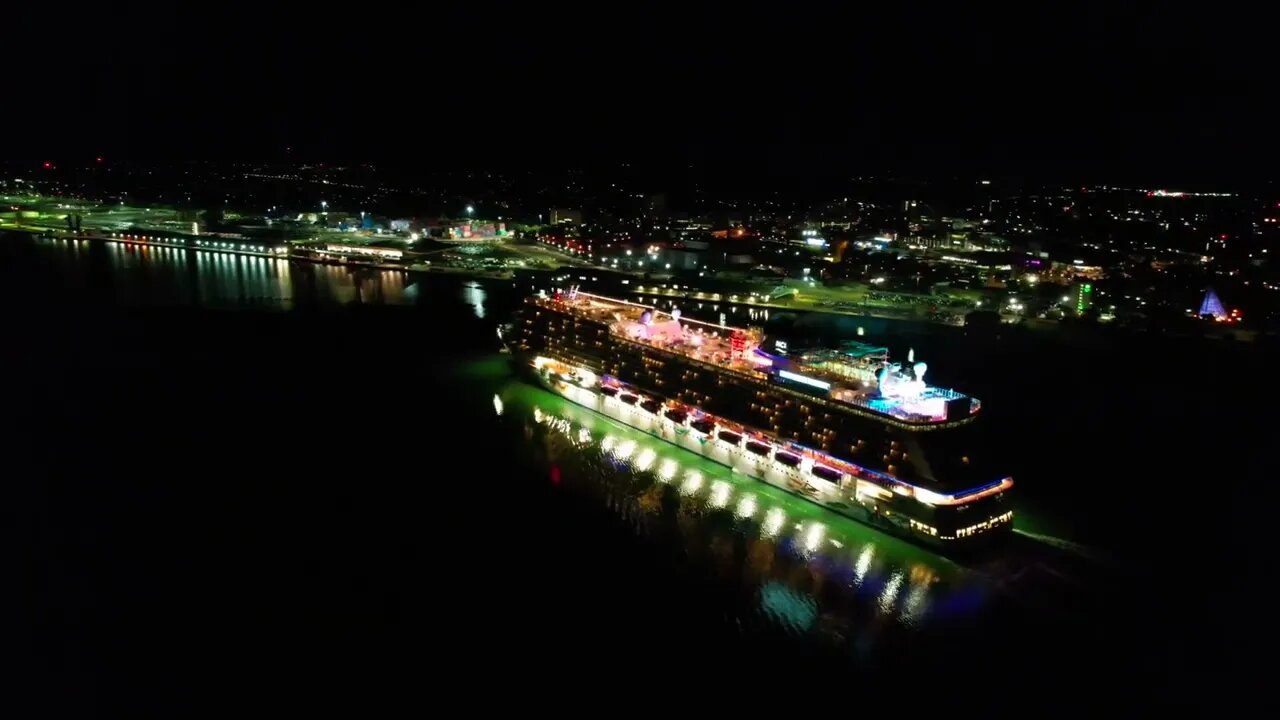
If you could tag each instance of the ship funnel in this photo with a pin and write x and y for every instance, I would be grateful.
(920, 369)
(911, 355)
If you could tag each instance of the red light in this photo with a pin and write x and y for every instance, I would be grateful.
(47, 164)
(99, 158)
(1223, 236)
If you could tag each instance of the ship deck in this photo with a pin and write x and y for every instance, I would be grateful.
(714, 344)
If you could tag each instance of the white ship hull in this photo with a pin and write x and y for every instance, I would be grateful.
(794, 480)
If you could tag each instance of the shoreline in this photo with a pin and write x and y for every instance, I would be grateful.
(289, 257)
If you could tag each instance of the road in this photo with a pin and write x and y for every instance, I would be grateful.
(543, 256)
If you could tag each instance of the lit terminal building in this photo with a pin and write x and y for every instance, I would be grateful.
(845, 427)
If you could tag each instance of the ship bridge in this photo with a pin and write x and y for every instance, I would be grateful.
(861, 374)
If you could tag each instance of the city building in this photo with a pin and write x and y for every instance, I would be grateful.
(1211, 307)
(565, 216)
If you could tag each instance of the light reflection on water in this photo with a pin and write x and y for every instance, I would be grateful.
(473, 294)
(806, 568)
(149, 275)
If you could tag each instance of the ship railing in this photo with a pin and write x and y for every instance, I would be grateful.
(895, 412)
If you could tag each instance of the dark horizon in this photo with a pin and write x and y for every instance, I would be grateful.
(1102, 94)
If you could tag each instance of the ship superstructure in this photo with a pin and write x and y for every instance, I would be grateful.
(844, 427)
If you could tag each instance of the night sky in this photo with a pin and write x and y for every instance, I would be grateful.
(1119, 91)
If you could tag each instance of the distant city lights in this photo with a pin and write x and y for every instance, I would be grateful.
(1182, 193)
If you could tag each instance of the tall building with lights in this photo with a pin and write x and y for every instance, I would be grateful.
(565, 216)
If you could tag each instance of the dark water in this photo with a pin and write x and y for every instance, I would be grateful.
(242, 478)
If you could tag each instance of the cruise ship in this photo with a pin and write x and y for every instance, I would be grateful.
(843, 427)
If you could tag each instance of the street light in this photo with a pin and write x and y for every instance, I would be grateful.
(470, 209)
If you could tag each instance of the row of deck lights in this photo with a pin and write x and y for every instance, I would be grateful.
(812, 534)
(721, 492)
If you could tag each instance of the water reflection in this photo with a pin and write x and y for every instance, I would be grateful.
(474, 295)
(805, 569)
(141, 274)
